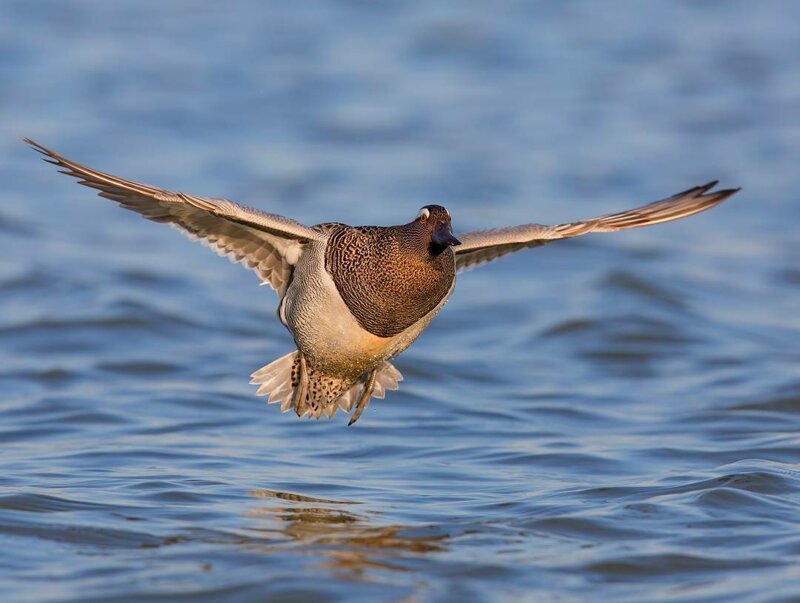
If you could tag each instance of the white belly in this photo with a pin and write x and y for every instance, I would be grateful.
(325, 330)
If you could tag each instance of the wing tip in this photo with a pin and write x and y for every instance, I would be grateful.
(722, 195)
(706, 187)
(36, 146)
(703, 195)
(50, 156)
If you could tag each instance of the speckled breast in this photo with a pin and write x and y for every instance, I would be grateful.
(386, 275)
(326, 330)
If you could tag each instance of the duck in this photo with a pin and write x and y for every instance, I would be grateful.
(353, 297)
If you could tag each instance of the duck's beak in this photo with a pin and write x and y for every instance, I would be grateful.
(443, 236)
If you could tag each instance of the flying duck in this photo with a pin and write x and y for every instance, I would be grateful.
(353, 297)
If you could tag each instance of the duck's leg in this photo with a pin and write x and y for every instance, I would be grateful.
(363, 401)
(301, 388)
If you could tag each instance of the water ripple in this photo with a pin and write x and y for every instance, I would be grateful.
(613, 417)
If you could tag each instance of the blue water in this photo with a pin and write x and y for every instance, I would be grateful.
(609, 418)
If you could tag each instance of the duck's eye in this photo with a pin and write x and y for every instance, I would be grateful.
(424, 213)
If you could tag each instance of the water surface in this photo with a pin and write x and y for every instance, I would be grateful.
(614, 417)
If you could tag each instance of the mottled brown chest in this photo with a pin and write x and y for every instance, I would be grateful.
(386, 277)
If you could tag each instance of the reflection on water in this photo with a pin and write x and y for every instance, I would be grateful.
(346, 541)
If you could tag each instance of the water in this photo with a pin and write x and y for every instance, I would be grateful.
(614, 417)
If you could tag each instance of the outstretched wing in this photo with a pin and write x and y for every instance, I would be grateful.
(483, 246)
(268, 244)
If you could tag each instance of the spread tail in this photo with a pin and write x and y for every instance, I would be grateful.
(290, 381)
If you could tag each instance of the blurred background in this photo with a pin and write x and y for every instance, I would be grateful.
(614, 416)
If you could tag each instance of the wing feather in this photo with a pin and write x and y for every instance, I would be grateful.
(483, 246)
(268, 244)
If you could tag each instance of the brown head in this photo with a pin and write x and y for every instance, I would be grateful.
(434, 220)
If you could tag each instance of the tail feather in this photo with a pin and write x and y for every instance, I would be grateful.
(275, 379)
(388, 378)
(325, 394)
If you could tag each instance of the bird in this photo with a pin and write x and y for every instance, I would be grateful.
(353, 297)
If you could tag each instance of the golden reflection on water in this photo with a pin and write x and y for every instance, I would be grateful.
(348, 541)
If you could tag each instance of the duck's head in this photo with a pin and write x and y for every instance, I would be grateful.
(435, 220)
